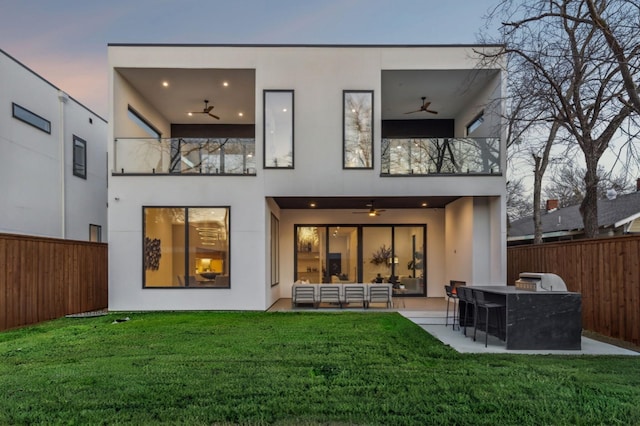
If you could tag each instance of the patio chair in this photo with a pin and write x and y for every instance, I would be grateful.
(482, 303)
(303, 294)
(330, 293)
(380, 294)
(354, 293)
(451, 296)
(465, 296)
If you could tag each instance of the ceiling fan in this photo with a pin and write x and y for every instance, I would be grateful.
(372, 210)
(207, 110)
(424, 107)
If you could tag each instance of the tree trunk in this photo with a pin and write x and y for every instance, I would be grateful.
(589, 205)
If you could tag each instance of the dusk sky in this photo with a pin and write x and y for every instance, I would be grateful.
(65, 41)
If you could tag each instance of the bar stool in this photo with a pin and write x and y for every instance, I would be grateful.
(451, 295)
(482, 303)
(465, 295)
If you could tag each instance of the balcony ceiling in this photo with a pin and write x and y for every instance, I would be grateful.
(360, 203)
(449, 91)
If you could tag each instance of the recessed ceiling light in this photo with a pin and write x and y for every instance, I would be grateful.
(240, 114)
(225, 83)
(190, 114)
(165, 83)
(424, 204)
(312, 204)
(284, 110)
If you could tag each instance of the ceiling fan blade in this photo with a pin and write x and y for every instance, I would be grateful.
(431, 111)
(208, 109)
(214, 116)
(411, 112)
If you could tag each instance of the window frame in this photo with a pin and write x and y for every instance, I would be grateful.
(345, 93)
(143, 123)
(275, 250)
(265, 136)
(46, 129)
(474, 123)
(98, 230)
(77, 171)
(185, 247)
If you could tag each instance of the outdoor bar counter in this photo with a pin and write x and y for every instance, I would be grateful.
(536, 319)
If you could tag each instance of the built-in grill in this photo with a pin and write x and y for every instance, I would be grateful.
(539, 281)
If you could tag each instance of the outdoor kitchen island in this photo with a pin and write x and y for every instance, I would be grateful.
(535, 319)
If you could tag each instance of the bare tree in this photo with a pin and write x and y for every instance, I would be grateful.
(584, 83)
(518, 203)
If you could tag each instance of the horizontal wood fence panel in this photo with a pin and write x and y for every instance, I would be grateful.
(606, 272)
(46, 278)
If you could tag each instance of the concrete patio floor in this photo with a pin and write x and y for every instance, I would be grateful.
(430, 314)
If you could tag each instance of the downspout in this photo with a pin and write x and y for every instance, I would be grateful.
(64, 98)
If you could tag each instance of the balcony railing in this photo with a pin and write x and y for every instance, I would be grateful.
(210, 156)
(440, 156)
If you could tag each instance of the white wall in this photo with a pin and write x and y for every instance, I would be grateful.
(318, 76)
(40, 195)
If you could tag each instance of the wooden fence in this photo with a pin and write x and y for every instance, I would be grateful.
(605, 271)
(46, 278)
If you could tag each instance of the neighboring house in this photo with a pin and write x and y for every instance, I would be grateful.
(237, 170)
(617, 215)
(53, 165)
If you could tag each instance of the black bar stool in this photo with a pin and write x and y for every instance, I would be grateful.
(482, 303)
(465, 295)
(451, 295)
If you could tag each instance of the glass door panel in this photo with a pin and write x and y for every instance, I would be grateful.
(310, 253)
(342, 260)
(376, 253)
(408, 260)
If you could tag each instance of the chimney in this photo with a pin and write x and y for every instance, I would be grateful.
(552, 205)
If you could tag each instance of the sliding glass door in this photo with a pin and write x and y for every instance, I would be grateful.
(362, 254)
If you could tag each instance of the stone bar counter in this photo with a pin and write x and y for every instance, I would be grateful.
(537, 319)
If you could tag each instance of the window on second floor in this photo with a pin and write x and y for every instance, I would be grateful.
(143, 123)
(79, 157)
(278, 129)
(31, 118)
(357, 129)
(475, 123)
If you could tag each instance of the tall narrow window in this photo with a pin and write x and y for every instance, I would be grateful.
(143, 123)
(278, 129)
(475, 123)
(275, 250)
(79, 157)
(31, 118)
(357, 129)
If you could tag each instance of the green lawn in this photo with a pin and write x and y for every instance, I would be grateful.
(293, 368)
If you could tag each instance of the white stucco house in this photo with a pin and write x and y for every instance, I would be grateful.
(237, 170)
(53, 159)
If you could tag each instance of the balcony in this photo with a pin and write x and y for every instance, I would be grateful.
(198, 156)
(440, 156)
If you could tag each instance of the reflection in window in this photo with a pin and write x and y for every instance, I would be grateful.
(143, 123)
(95, 233)
(278, 129)
(186, 247)
(358, 129)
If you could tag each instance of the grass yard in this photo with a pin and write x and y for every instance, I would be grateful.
(293, 368)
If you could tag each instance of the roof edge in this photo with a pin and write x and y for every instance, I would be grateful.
(301, 45)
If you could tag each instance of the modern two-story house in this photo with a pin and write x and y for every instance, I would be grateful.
(237, 170)
(53, 159)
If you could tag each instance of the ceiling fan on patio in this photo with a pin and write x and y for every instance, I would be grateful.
(207, 110)
(424, 107)
(372, 210)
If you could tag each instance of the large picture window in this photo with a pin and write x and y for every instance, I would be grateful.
(357, 129)
(278, 129)
(186, 247)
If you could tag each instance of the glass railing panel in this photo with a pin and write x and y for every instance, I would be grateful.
(427, 156)
(228, 156)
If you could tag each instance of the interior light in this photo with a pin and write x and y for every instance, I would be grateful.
(225, 83)
(424, 204)
(190, 114)
(240, 114)
(284, 110)
(165, 83)
(312, 204)
(372, 213)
